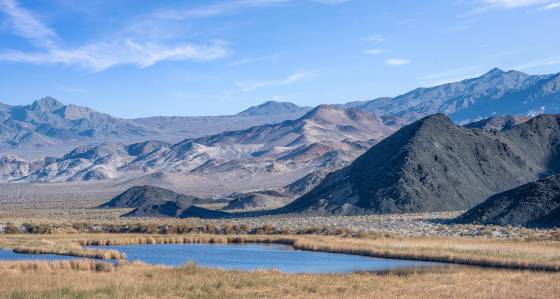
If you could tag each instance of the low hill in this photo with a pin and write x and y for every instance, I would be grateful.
(536, 204)
(137, 196)
(151, 201)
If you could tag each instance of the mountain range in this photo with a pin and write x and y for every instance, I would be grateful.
(494, 93)
(50, 127)
(325, 138)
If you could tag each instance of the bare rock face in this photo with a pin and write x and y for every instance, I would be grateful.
(498, 123)
(434, 165)
(535, 204)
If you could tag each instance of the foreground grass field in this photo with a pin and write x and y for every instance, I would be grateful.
(90, 280)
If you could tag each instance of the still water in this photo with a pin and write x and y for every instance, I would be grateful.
(248, 257)
(263, 256)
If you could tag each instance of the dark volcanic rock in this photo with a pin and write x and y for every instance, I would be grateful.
(498, 123)
(138, 196)
(535, 204)
(150, 201)
(434, 165)
(180, 209)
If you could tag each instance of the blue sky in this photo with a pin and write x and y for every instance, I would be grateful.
(140, 58)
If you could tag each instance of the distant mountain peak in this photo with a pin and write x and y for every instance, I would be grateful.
(496, 71)
(272, 108)
(49, 104)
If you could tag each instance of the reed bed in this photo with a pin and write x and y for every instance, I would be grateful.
(66, 248)
(136, 280)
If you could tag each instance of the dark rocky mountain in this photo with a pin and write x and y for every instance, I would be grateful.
(496, 92)
(274, 108)
(498, 123)
(177, 209)
(150, 201)
(138, 196)
(434, 165)
(536, 204)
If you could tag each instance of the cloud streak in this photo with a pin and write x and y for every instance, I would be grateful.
(253, 60)
(397, 61)
(514, 3)
(101, 56)
(488, 5)
(374, 51)
(293, 78)
(454, 75)
(96, 56)
(27, 25)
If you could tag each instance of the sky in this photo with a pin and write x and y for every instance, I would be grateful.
(144, 58)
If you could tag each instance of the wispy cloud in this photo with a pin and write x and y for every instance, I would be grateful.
(514, 3)
(374, 39)
(244, 61)
(548, 61)
(230, 7)
(374, 51)
(397, 61)
(448, 76)
(488, 5)
(293, 78)
(331, 2)
(550, 6)
(100, 55)
(28, 25)
(219, 9)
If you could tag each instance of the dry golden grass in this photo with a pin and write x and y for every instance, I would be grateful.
(534, 255)
(60, 247)
(142, 281)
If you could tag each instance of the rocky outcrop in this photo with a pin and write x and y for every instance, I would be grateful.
(535, 204)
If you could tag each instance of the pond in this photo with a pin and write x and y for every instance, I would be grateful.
(248, 257)
(264, 256)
